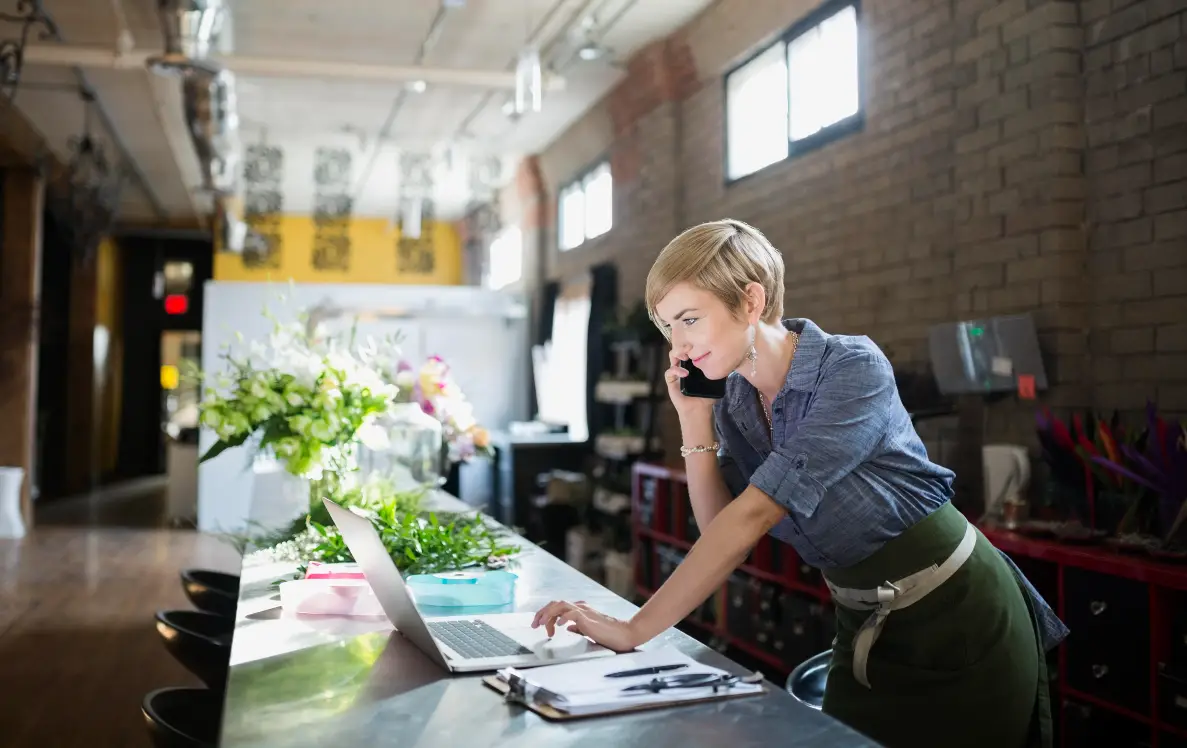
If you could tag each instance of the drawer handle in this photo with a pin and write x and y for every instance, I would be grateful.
(1097, 607)
(1100, 671)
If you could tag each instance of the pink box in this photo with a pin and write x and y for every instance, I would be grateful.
(318, 570)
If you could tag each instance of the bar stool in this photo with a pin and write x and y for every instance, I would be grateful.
(806, 683)
(211, 591)
(182, 717)
(200, 641)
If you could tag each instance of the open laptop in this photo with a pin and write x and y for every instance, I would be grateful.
(456, 643)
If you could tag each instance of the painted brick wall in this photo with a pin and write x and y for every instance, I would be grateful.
(1018, 155)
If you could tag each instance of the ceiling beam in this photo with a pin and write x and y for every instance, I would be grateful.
(82, 56)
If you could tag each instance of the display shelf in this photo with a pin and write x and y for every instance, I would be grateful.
(1128, 618)
(1127, 614)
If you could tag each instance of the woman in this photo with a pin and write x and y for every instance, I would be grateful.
(940, 640)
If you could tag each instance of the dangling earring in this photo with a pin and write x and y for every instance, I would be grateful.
(752, 354)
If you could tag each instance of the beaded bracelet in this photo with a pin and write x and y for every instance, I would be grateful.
(686, 451)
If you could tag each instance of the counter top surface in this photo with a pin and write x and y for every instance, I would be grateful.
(328, 680)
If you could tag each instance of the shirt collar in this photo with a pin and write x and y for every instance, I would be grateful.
(805, 367)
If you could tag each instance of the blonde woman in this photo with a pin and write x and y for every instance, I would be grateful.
(940, 639)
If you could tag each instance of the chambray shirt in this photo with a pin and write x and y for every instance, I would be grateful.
(849, 467)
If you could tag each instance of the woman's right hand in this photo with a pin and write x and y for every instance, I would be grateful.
(686, 407)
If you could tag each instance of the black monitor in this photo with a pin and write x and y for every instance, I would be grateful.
(987, 356)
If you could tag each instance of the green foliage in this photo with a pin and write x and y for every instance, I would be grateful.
(424, 544)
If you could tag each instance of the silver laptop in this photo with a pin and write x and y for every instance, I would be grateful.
(456, 643)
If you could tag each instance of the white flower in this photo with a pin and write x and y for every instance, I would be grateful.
(315, 471)
(321, 430)
(373, 436)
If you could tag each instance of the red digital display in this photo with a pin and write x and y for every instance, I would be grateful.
(176, 304)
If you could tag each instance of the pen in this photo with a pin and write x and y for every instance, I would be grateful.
(646, 671)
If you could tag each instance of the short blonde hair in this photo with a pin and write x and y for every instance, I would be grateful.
(720, 257)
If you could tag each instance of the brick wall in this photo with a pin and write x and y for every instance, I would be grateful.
(1135, 86)
(1017, 155)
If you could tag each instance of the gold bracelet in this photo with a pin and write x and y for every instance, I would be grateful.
(686, 451)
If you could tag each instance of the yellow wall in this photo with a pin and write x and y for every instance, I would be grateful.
(373, 256)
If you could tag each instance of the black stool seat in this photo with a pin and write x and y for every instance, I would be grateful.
(183, 717)
(809, 678)
(211, 591)
(199, 641)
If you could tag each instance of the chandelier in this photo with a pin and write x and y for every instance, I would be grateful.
(29, 13)
(87, 192)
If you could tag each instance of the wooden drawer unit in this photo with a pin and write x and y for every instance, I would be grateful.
(1091, 727)
(1108, 650)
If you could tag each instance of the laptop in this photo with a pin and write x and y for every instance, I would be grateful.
(459, 644)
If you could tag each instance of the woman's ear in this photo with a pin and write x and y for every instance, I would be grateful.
(756, 302)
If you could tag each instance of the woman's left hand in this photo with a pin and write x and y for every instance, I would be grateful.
(608, 631)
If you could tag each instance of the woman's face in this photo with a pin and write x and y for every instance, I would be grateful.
(702, 328)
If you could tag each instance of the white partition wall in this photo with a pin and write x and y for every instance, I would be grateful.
(481, 334)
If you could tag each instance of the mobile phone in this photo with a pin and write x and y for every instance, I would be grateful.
(696, 384)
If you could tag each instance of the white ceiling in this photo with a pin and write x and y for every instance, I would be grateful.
(373, 121)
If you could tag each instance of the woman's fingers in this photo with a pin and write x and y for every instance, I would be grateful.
(550, 610)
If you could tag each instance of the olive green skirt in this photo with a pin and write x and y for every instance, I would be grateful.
(963, 666)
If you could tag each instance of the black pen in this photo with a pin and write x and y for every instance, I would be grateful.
(646, 671)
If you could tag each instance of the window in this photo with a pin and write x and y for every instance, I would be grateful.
(586, 207)
(505, 258)
(796, 94)
(559, 365)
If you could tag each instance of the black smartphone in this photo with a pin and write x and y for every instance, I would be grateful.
(696, 384)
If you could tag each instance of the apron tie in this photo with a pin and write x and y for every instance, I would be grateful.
(891, 596)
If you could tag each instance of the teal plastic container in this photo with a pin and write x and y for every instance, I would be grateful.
(461, 589)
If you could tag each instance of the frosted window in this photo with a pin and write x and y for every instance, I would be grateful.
(756, 113)
(822, 81)
(586, 208)
(572, 217)
(505, 258)
(599, 202)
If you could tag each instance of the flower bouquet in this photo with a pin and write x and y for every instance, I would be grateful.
(433, 388)
(1156, 462)
(311, 401)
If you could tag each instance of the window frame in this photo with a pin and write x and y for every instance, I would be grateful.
(579, 181)
(835, 131)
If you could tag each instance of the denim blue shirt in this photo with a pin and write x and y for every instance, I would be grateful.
(847, 464)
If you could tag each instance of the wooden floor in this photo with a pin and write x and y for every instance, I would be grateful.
(78, 648)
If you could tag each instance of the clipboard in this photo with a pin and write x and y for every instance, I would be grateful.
(547, 711)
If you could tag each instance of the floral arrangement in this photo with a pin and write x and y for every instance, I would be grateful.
(308, 399)
(1128, 483)
(434, 389)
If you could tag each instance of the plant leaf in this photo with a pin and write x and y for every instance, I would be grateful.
(222, 445)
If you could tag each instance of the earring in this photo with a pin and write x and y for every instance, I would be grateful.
(752, 354)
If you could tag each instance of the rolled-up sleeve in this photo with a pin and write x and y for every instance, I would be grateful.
(731, 473)
(845, 423)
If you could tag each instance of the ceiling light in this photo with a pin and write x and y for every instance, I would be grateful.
(417, 86)
(591, 51)
(529, 86)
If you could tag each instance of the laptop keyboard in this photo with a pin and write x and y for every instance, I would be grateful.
(474, 639)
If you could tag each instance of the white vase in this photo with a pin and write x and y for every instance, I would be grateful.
(12, 525)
